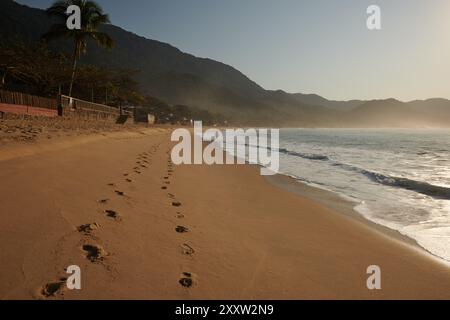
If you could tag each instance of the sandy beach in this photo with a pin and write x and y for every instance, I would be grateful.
(140, 227)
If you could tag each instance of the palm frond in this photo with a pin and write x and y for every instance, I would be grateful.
(102, 39)
(59, 8)
(98, 19)
(56, 31)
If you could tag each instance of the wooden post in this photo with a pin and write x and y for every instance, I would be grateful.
(59, 107)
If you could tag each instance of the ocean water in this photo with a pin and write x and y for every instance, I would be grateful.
(398, 178)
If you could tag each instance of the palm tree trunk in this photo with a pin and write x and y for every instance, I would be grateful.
(74, 67)
(4, 77)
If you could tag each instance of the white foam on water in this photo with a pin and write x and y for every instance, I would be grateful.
(400, 178)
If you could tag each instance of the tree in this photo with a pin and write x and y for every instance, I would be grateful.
(92, 80)
(125, 88)
(118, 84)
(32, 68)
(92, 17)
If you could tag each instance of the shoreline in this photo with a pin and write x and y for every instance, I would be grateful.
(340, 205)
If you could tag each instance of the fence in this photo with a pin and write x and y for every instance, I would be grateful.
(90, 110)
(23, 99)
(21, 103)
(26, 104)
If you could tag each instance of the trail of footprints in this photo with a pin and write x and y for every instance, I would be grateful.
(93, 251)
(186, 280)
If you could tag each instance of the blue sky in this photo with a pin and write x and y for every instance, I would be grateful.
(315, 46)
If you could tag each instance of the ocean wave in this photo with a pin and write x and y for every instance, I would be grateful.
(421, 187)
(309, 156)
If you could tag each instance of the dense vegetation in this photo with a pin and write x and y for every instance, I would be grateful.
(35, 69)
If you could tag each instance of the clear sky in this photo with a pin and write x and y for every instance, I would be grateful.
(314, 46)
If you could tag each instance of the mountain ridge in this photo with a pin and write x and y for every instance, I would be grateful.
(177, 77)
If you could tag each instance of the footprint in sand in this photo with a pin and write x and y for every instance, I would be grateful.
(113, 215)
(87, 229)
(128, 180)
(119, 193)
(111, 184)
(171, 196)
(103, 201)
(94, 253)
(187, 249)
(126, 174)
(176, 204)
(186, 280)
(164, 187)
(181, 229)
(53, 288)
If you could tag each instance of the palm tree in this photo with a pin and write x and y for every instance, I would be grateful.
(92, 17)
